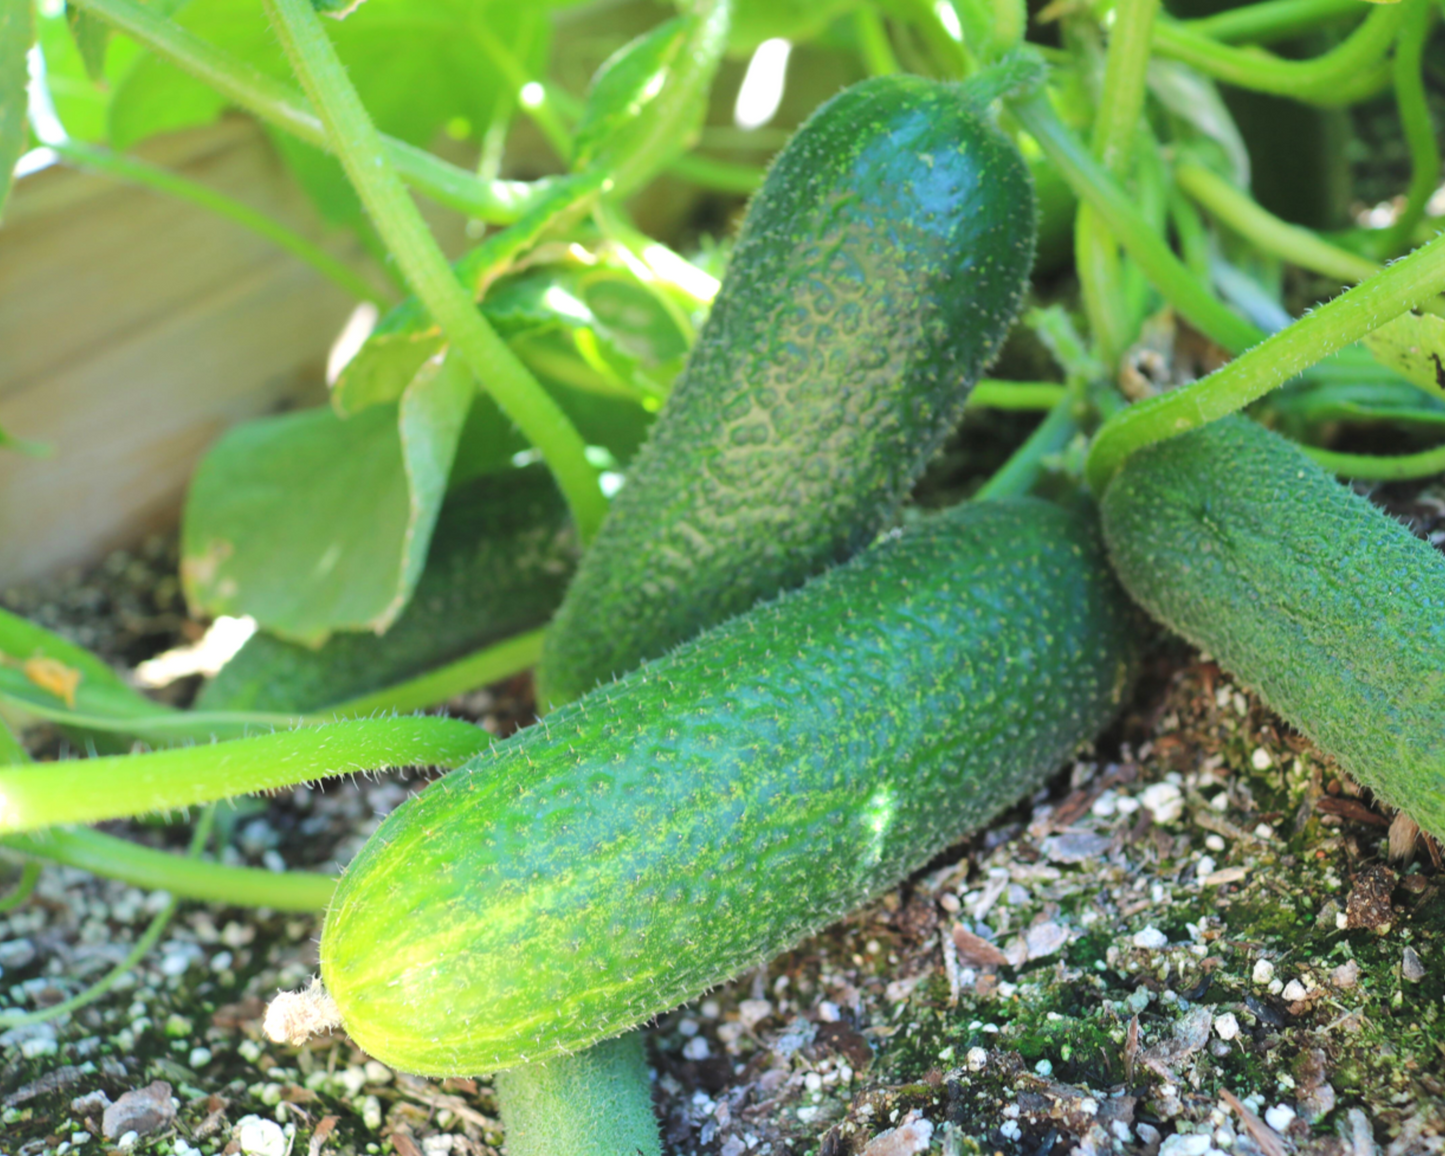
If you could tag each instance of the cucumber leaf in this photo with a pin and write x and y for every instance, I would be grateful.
(312, 523)
(414, 62)
(1414, 346)
(17, 34)
(40, 669)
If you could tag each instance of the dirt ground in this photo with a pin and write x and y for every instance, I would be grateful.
(1193, 942)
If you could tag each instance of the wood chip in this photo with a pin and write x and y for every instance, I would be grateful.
(975, 951)
(1261, 1133)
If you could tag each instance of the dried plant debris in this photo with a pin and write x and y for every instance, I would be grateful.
(1196, 942)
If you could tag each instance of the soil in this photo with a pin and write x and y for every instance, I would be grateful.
(1194, 942)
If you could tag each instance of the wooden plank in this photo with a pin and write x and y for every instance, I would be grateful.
(134, 328)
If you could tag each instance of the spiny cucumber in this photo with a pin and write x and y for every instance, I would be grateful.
(708, 810)
(1334, 612)
(878, 270)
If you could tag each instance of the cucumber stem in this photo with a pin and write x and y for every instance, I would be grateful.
(90, 790)
(1021, 472)
(1377, 468)
(1165, 271)
(595, 1103)
(1256, 224)
(201, 879)
(1394, 290)
(360, 150)
(1351, 71)
(490, 664)
(1112, 322)
(1414, 109)
(1273, 20)
(141, 948)
(277, 104)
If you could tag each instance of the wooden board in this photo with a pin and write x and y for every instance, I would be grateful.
(134, 328)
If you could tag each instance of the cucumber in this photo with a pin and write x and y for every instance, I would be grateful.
(500, 558)
(877, 272)
(706, 811)
(1233, 538)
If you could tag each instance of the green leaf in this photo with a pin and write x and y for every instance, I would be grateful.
(623, 86)
(312, 523)
(648, 101)
(92, 38)
(17, 34)
(1414, 346)
(415, 63)
(41, 668)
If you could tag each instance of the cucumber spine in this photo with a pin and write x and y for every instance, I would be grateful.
(877, 272)
(710, 809)
(1334, 612)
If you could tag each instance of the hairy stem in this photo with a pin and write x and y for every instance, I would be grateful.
(142, 947)
(184, 878)
(1354, 313)
(1351, 71)
(359, 148)
(498, 661)
(1256, 224)
(1165, 271)
(1420, 135)
(1019, 474)
(1375, 468)
(90, 790)
(1272, 20)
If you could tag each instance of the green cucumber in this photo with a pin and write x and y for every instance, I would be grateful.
(500, 558)
(708, 810)
(1334, 612)
(877, 272)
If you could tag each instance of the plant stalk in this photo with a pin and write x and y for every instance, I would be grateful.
(1394, 290)
(400, 225)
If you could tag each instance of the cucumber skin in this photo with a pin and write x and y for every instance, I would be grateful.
(877, 272)
(1334, 612)
(500, 559)
(707, 811)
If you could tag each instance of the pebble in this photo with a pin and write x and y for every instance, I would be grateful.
(828, 1012)
(1165, 800)
(258, 1137)
(128, 1141)
(1227, 1026)
(976, 1059)
(141, 1111)
(752, 1012)
(1346, 975)
(1294, 991)
(697, 1048)
(199, 1057)
(1195, 1145)
(1263, 971)
(1411, 966)
(1151, 938)
(1280, 1117)
(17, 953)
(1261, 759)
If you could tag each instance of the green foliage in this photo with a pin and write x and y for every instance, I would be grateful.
(1414, 346)
(499, 560)
(415, 62)
(348, 557)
